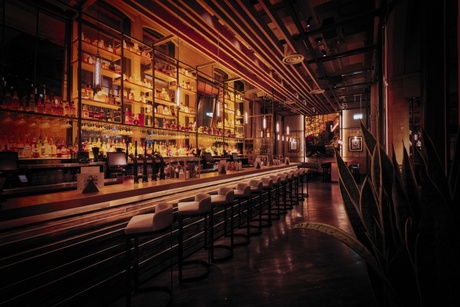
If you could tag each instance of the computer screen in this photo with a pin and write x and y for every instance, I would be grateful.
(8, 162)
(116, 159)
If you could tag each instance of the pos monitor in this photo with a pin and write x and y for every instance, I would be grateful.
(8, 162)
(116, 160)
(9, 169)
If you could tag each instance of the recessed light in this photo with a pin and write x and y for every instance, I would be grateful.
(317, 91)
(293, 59)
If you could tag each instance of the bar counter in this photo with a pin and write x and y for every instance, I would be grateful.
(18, 211)
(66, 248)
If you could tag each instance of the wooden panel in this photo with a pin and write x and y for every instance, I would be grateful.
(81, 257)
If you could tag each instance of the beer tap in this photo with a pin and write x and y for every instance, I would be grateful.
(135, 170)
(144, 169)
(154, 168)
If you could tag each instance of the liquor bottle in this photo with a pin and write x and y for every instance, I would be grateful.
(40, 148)
(66, 108)
(27, 151)
(48, 105)
(141, 119)
(40, 105)
(7, 100)
(54, 106)
(24, 106)
(12, 143)
(20, 146)
(31, 103)
(73, 112)
(101, 114)
(53, 148)
(85, 112)
(128, 117)
(15, 101)
(2, 93)
(60, 107)
(46, 148)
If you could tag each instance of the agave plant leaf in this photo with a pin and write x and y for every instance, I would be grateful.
(369, 139)
(351, 196)
(437, 261)
(401, 208)
(410, 186)
(382, 178)
(395, 163)
(346, 176)
(436, 168)
(454, 176)
(370, 214)
(360, 249)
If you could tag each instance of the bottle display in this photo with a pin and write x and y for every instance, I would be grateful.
(145, 102)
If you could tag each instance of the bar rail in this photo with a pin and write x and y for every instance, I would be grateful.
(68, 248)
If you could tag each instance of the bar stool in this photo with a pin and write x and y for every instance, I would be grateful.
(199, 207)
(291, 193)
(267, 186)
(295, 186)
(276, 182)
(302, 177)
(223, 198)
(284, 191)
(242, 192)
(146, 225)
(256, 191)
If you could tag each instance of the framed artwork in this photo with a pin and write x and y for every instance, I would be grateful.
(294, 145)
(355, 143)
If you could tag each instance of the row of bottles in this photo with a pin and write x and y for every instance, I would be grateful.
(46, 105)
(36, 147)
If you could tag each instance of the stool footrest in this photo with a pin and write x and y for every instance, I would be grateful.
(226, 257)
(246, 240)
(275, 215)
(256, 230)
(265, 222)
(206, 265)
(163, 289)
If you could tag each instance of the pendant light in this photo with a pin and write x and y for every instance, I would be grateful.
(97, 75)
(178, 85)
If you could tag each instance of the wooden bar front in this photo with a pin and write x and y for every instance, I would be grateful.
(68, 247)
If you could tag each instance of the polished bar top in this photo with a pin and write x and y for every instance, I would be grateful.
(58, 204)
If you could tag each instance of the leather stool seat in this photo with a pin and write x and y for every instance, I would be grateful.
(146, 225)
(224, 197)
(256, 191)
(199, 207)
(276, 182)
(243, 192)
(267, 187)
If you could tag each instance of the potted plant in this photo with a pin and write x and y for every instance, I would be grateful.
(406, 230)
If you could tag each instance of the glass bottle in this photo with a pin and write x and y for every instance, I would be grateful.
(40, 106)
(31, 103)
(15, 101)
(73, 112)
(85, 112)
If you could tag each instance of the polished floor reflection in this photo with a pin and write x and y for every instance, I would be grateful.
(283, 266)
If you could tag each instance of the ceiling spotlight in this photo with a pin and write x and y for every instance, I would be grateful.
(317, 91)
(318, 40)
(309, 22)
(324, 52)
(292, 59)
